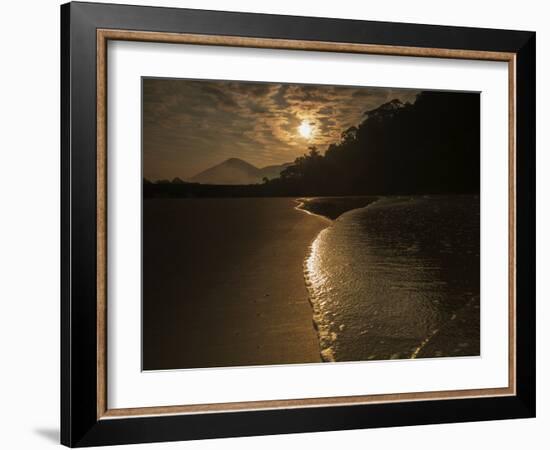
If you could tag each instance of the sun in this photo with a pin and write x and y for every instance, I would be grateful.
(305, 129)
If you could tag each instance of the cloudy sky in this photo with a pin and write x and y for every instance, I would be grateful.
(190, 125)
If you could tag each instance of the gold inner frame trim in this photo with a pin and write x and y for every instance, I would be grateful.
(103, 36)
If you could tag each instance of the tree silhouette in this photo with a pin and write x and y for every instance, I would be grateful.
(429, 146)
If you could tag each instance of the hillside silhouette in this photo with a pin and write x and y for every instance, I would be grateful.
(237, 171)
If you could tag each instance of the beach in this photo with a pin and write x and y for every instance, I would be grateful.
(263, 281)
(223, 283)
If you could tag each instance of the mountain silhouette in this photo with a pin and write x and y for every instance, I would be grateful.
(236, 171)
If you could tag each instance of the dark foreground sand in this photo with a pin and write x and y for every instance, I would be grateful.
(223, 283)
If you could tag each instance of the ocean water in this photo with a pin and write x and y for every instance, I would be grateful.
(398, 279)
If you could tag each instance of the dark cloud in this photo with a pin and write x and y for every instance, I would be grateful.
(251, 89)
(190, 125)
(220, 94)
(257, 108)
(279, 96)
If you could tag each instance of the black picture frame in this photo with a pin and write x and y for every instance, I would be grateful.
(80, 425)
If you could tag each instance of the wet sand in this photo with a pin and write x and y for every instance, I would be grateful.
(223, 283)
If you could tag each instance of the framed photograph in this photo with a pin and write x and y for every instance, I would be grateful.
(276, 224)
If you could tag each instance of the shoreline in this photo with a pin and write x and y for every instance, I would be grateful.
(322, 332)
(302, 202)
(330, 208)
(301, 207)
(225, 281)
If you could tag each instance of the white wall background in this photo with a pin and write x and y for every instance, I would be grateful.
(29, 223)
